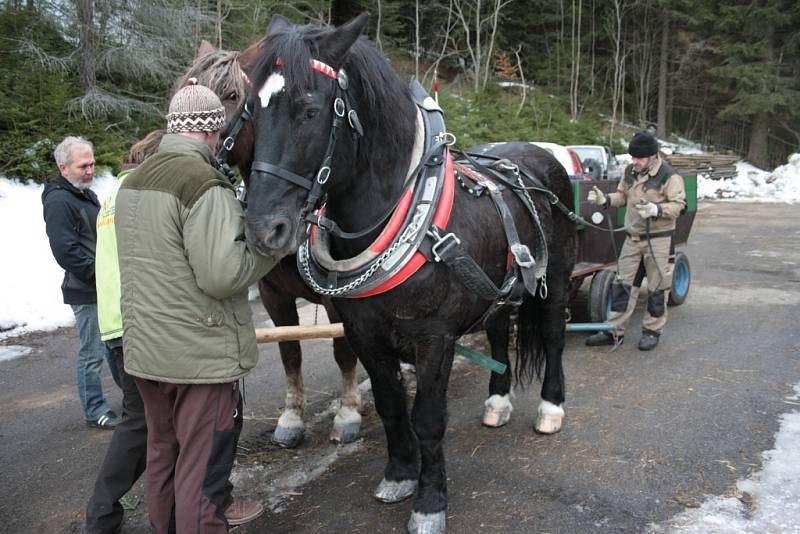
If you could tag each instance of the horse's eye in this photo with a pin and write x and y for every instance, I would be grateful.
(233, 96)
(311, 113)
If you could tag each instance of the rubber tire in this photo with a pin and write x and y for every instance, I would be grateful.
(599, 305)
(681, 280)
(593, 169)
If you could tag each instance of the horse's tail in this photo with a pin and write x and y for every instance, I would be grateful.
(530, 341)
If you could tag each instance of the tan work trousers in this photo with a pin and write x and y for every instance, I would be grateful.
(659, 281)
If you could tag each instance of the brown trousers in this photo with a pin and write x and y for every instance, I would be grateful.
(659, 281)
(190, 453)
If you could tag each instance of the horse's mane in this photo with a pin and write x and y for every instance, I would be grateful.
(219, 71)
(377, 92)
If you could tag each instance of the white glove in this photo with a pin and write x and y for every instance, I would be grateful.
(647, 209)
(596, 197)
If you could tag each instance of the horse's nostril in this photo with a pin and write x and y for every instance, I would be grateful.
(279, 230)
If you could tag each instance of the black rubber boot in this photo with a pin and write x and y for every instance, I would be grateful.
(601, 338)
(649, 340)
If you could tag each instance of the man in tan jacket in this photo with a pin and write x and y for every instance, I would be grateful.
(188, 338)
(654, 196)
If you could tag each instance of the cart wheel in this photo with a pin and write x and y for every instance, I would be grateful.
(600, 296)
(681, 280)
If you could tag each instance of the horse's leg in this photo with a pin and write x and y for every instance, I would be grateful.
(347, 422)
(498, 408)
(434, 362)
(551, 412)
(383, 367)
(283, 312)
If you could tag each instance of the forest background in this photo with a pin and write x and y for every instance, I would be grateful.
(725, 74)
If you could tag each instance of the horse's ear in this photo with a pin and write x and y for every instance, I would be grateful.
(336, 43)
(249, 56)
(278, 24)
(204, 49)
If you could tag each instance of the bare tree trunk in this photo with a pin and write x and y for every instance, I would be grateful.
(522, 79)
(757, 152)
(592, 55)
(575, 72)
(378, 42)
(495, 16)
(478, 48)
(661, 128)
(416, 39)
(218, 24)
(86, 44)
(559, 43)
(615, 31)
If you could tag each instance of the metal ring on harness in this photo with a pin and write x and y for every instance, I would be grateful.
(228, 143)
(323, 175)
(338, 107)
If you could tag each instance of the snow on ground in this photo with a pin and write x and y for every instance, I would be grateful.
(753, 184)
(30, 279)
(768, 501)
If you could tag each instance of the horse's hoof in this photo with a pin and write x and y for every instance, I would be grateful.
(288, 437)
(346, 426)
(346, 433)
(395, 491)
(549, 419)
(497, 411)
(427, 523)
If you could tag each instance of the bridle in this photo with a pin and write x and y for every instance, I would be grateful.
(341, 109)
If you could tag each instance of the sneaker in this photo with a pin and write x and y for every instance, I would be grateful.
(241, 512)
(107, 421)
(602, 338)
(649, 340)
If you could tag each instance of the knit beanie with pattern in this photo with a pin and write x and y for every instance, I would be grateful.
(195, 108)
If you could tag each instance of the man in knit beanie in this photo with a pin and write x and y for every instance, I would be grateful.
(189, 338)
(654, 196)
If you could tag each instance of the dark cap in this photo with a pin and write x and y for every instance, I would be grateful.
(643, 145)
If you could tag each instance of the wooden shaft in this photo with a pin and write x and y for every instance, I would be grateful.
(296, 333)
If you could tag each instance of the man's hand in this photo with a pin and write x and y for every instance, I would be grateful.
(596, 197)
(647, 209)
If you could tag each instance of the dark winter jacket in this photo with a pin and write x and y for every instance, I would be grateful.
(70, 216)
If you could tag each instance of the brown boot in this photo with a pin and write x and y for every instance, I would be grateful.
(241, 512)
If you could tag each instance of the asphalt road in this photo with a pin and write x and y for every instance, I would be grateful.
(646, 434)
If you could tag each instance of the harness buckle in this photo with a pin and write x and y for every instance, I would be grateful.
(323, 175)
(522, 255)
(228, 143)
(449, 240)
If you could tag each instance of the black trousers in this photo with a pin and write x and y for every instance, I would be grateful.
(126, 458)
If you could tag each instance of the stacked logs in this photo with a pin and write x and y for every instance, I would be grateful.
(714, 166)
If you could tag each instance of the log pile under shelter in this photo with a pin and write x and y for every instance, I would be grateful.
(714, 166)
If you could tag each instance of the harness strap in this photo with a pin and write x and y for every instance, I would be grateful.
(447, 248)
(522, 254)
(289, 176)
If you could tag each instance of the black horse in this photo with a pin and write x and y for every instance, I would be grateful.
(335, 125)
(224, 72)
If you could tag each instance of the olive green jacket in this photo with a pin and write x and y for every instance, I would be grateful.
(185, 269)
(669, 196)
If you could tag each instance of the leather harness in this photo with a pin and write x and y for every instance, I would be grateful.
(416, 230)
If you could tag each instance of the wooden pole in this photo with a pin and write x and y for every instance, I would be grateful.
(296, 333)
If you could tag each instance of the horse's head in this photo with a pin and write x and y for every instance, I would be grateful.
(301, 101)
(225, 73)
